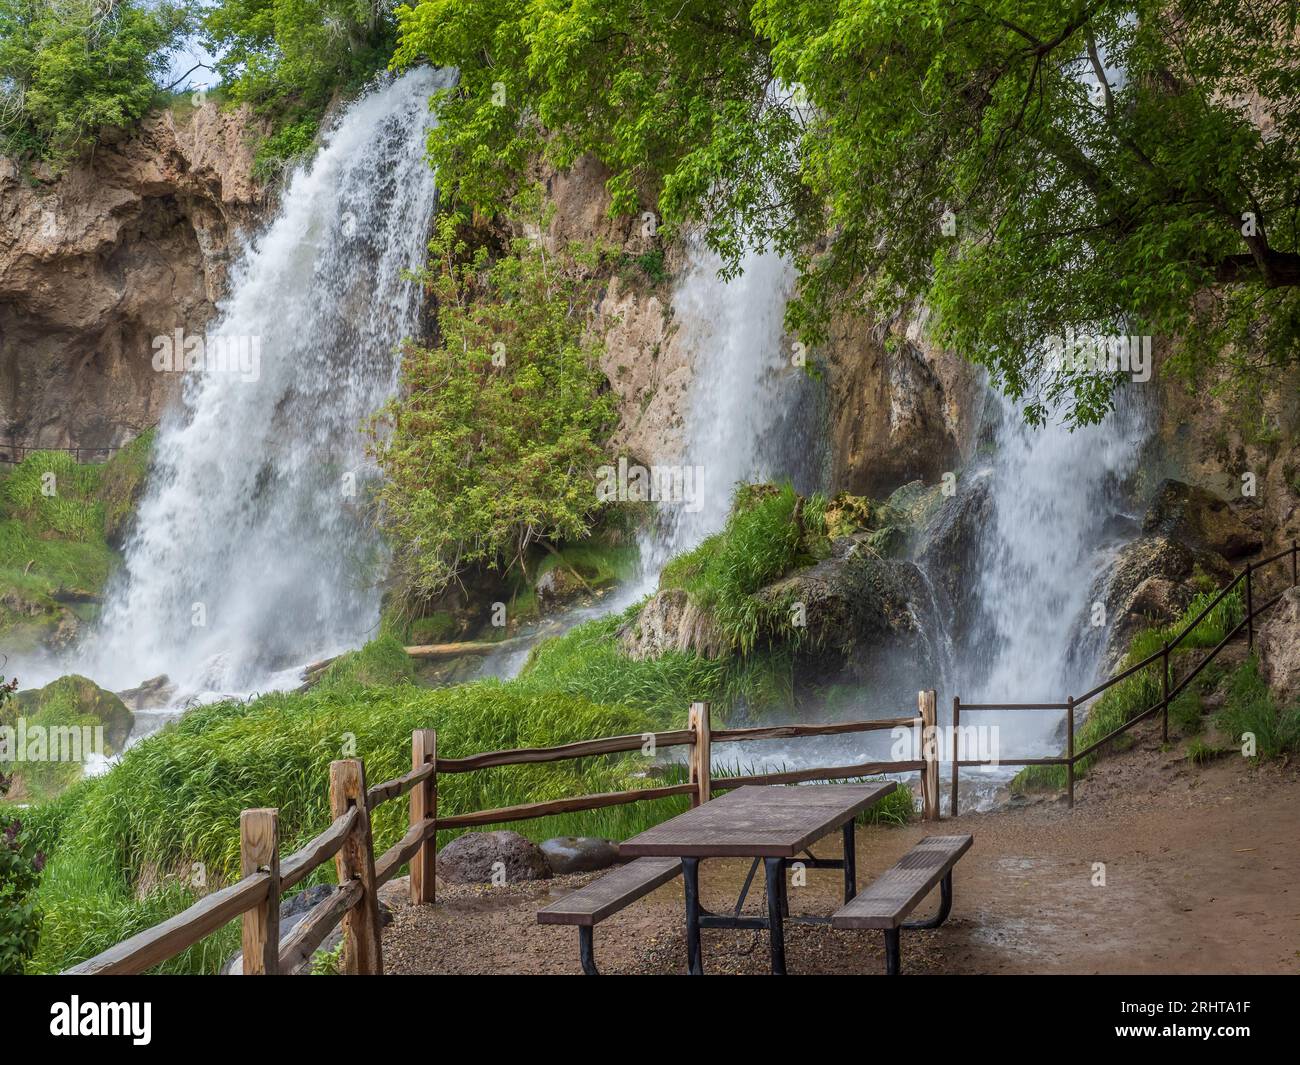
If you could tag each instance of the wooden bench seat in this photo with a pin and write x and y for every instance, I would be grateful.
(590, 905)
(898, 891)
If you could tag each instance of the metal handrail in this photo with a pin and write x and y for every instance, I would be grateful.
(1168, 693)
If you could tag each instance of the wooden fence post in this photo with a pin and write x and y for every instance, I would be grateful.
(701, 757)
(424, 804)
(356, 861)
(925, 702)
(259, 850)
(956, 754)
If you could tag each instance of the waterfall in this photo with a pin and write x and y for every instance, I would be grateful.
(251, 551)
(752, 415)
(1053, 499)
(752, 412)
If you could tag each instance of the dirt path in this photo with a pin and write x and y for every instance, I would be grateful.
(1202, 875)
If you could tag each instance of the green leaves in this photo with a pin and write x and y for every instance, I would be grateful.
(1074, 207)
(70, 67)
(495, 440)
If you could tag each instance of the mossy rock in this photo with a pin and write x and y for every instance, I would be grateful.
(50, 752)
(847, 514)
(437, 627)
(77, 700)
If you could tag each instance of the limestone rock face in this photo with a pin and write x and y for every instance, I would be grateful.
(669, 622)
(901, 408)
(950, 545)
(131, 243)
(1201, 519)
(1279, 647)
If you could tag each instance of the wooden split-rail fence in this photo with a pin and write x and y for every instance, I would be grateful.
(266, 875)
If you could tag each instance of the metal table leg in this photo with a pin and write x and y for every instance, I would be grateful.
(691, 882)
(850, 862)
(775, 869)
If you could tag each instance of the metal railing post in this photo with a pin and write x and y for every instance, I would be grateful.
(1164, 693)
(956, 754)
(1250, 612)
(1069, 751)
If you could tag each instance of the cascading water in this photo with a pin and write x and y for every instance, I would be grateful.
(1053, 495)
(752, 411)
(752, 415)
(250, 552)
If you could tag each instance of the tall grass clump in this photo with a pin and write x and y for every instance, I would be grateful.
(1250, 711)
(766, 536)
(172, 804)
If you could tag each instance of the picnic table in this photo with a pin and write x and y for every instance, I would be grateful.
(774, 825)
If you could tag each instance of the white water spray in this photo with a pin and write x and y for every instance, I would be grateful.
(251, 552)
(752, 407)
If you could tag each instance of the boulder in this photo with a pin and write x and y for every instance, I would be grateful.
(1151, 581)
(579, 854)
(949, 547)
(77, 700)
(670, 622)
(470, 859)
(1278, 642)
(152, 694)
(1200, 519)
(559, 585)
(868, 620)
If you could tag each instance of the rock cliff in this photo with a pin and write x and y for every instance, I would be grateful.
(129, 243)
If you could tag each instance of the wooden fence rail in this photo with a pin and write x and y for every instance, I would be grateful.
(266, 876)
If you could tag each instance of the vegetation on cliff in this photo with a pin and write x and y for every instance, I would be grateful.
(490, 451)
(60, 522)
(1031, 169)
(68, 68)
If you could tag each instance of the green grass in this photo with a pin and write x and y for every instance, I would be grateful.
(586, 662)
(766, 536)
(56, 521)
(1185, 712)
(175, 798)
(1251, 712)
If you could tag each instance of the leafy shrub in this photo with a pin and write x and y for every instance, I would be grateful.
(496, 437)
(20, 870)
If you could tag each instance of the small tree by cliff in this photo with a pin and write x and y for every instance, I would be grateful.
(492, 446)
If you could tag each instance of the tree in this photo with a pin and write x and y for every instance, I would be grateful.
(492, 446)
(1031, 168)
(294, 53)
(68, 68)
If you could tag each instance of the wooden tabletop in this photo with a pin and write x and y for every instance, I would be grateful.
(757, 822)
